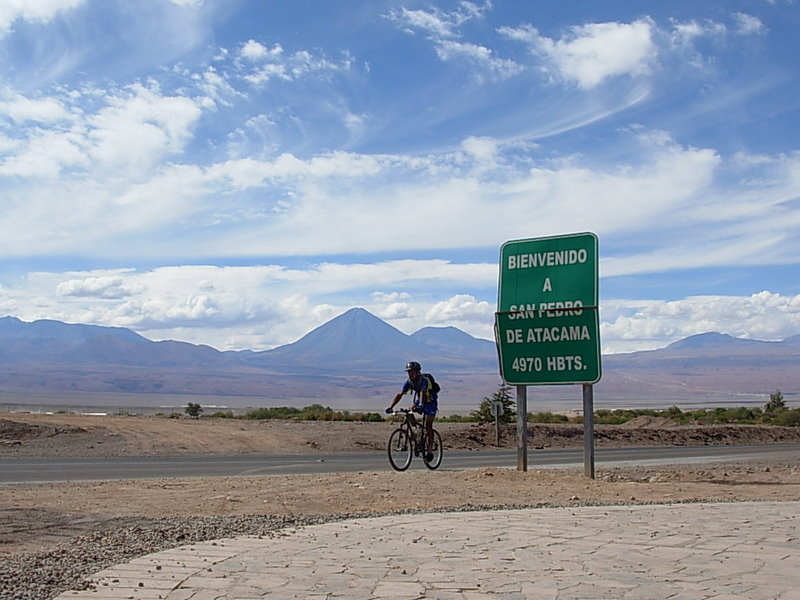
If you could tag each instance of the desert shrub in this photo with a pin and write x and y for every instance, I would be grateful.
(547, 417)
(313, 412)
(372, 417)
(193, 409)
(457, 419)
(273, 412)
(619, 416)
(228, 414)
(502, 395)
(789, 417)
(741, 414)
(776, 403)
(317, 412)
(674, 413)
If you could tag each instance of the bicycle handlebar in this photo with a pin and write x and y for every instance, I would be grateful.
(404, 411)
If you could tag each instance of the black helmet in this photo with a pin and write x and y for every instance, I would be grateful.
(413, 366)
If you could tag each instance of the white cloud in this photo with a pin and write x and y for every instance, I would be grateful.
(649, 324)
(748, 24)
(139, 127)
(479, 55)
(481, 148)
(684, 35)
(32, 10)
(21, 109)
(482, 193)
(189, 3)
(45, 154)
(94, 287)
(254, 51)
(262, 306)
(259, 306)
(442, 28)
(461, 308)
(265, 64)
(436, 23)
(588, 55)
(389, 298)
(132, 131)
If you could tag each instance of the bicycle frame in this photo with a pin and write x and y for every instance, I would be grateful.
(406, 441)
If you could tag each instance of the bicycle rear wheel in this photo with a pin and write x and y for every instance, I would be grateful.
(400, 449)
(436, 451)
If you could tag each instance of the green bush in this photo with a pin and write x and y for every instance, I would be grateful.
(228, 414)
(274, 412)
(547, 417)
(314, 412)
(788, 418)
(776, 403)
(502, 395)
(193, 409)
(457, 419)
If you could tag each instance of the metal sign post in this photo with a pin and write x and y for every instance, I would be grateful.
(547, 326)
(588, 430)
(522, 428)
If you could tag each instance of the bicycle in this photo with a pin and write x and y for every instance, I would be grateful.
(410, 440)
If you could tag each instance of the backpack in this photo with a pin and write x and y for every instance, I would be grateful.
(433, 387)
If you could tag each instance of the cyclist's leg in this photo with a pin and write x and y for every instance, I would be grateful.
(430, 411)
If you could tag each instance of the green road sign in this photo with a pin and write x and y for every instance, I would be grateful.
(546, 325)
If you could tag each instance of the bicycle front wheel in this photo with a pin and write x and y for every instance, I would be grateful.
(436, 460)
(400, 449)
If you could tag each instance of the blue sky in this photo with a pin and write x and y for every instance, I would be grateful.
(237, 172)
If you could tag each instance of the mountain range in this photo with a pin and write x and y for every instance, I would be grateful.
(356, 361)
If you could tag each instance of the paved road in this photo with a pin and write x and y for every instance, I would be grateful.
(83, 469)
(692, 551)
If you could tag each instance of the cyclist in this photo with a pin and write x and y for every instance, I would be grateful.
(425, 401)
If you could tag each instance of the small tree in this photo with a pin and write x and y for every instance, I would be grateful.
(776, 403)
(193, 409)
(502, 395)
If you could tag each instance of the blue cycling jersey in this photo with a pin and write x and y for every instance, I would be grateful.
(420, 388)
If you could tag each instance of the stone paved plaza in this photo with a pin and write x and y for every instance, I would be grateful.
(742, 550)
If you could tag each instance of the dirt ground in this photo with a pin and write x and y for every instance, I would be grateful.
(34, 517)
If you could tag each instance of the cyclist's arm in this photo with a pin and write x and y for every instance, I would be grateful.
(396, 399)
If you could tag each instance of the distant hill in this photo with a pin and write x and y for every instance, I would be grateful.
(357, 359)
(359, 341)
(709, 368)
(355, 356)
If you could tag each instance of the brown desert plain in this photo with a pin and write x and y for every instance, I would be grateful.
(37, 517)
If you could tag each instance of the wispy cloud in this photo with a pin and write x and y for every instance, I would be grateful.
(436, 23)
(443, 29)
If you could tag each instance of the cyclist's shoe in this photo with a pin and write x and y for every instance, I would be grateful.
(429, 456)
